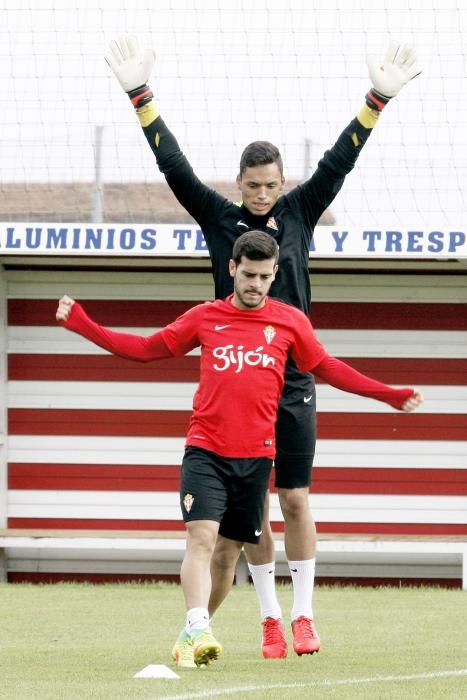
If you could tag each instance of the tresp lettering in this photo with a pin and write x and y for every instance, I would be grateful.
(229, 355)
(414, 241)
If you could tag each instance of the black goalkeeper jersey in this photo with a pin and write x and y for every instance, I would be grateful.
(291, 221)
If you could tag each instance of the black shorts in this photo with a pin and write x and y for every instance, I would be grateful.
(295, 430)
(228, 491)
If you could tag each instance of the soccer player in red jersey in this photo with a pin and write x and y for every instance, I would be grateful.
(290, 218)
(245, 341)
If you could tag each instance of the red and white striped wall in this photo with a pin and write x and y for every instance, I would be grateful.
(96, 442)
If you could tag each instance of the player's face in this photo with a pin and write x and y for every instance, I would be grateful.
(252, 281)
(260, 186)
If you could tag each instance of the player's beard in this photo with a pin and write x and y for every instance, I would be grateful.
(250, 302)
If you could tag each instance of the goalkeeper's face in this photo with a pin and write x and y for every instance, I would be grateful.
(260, 186)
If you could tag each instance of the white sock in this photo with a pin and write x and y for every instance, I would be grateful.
(263, 576)
(303, 580)
(197, 619)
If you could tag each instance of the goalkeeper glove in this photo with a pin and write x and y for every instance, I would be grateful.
(132, 68)
(398, 67)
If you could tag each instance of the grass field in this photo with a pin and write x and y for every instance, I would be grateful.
(77, 642)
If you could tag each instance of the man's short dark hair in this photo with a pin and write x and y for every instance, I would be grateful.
(260, 153)
(255, 245)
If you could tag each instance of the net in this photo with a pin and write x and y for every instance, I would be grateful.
(228, 73)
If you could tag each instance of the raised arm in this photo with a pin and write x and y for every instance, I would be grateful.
(132, 66)
(388, 76)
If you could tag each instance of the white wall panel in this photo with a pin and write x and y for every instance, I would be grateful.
(341, 343)
(332, 453)
(128, 505)
(178, 396)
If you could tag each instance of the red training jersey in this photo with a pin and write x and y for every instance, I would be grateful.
(242, 369)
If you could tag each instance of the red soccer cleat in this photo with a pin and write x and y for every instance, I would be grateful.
(305, 637)
(274, 642)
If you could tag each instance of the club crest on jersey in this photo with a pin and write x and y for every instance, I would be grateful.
(272, 224)
(269, 334)
(188, 502)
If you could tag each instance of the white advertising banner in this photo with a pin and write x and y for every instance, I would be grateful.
(187, 241)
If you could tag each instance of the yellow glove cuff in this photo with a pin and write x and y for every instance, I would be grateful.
(147, 114)
(368, 117)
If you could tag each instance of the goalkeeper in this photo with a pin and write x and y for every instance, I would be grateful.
(290, 218)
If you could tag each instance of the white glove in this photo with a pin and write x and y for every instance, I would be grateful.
(398, 67)
(131, 66)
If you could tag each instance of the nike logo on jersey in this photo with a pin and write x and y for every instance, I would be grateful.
(221, 328)
(258, 533)
(242, 223)
(307, 399)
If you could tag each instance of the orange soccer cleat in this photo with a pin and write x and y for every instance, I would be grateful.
(274, 643)
(305, 637)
